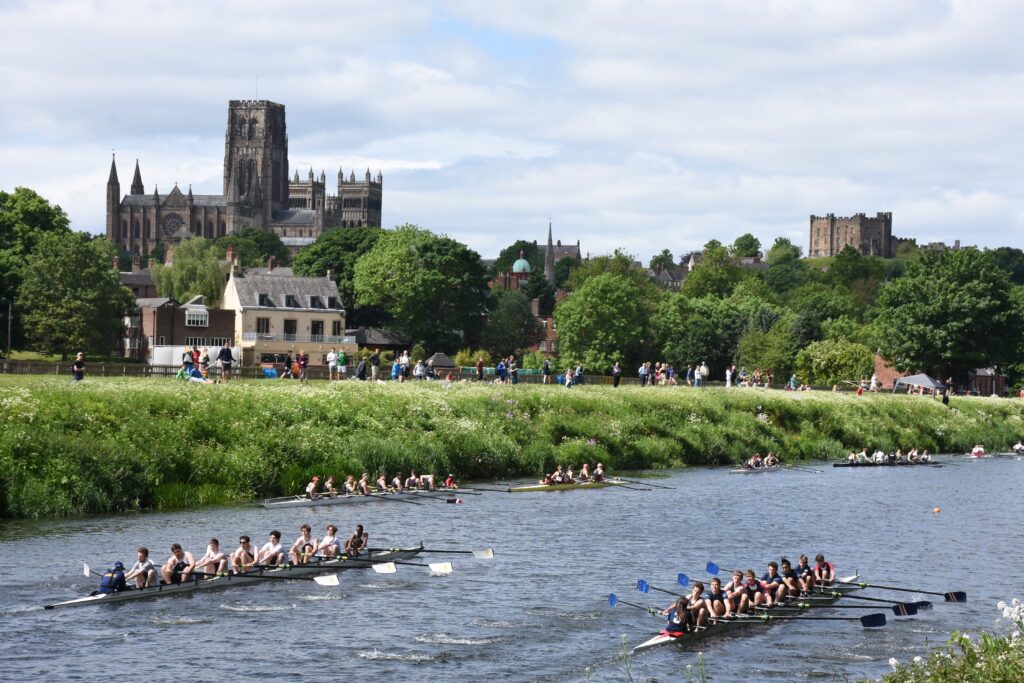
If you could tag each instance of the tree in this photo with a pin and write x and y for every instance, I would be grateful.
(247, 251)
(71, 297)
(537, 287)
(619, 262)
(662, 261)
(564, 268)
(788, 275)
(338, 251)
(269, 244)
(1010, 260)
(782, 251)
(195, 269)
(698, 330)
(510, 254)
(773, 350)
(605, 320)
(746, 245)
(824, 300)
(832, 361)
(511, 326)
(434, 287)
(715, 275)
(951, 311)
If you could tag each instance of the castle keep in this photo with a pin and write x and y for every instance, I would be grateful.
(257, 193)
(869, 236)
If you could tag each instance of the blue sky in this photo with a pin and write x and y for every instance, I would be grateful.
(642, 125)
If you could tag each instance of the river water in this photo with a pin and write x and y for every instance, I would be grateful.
(538, 610)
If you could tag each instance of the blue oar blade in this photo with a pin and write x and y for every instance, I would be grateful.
(683, 580)
(712, 568)
(613, 600)
(643, 586)
(873, 620)
(956, 596)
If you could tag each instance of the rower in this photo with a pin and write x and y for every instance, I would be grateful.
(569, 477)
(143, 571)
(311, 489)
(790, 580)
(754, 593)
(179, 565)
(899, 455)
(213, 560)
(771, 460)
(599, 472)
(272, 551)
(548, 480)
(329, 486)
(879, 457)
(806, 576)
(357, 541)
(364, 484)
(412, 482)
(1018, 447)
(427, 482)
(924, 457)
(113, 580)
(558, 477)
(912, 455)
(305, 554)
(349, 487)
(691, 612)
(716, 600)
(824, 572)
(244, 557)
(852, 457)
(449, 482)
(756, 462)
(297, 551)
(396, 483)
(584, 473)
(382, 483)
(734, 593)
(330, 546)
(773, 583)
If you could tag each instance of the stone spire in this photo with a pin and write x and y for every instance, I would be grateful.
(137, 187)
(341, 176)
(112, 178)
(549, 260)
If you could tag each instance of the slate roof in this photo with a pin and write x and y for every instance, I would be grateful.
(143, 277)
(277, 287)
(669, 275)
(441, 360)
(294, 217)
(276, 272)
(151, 303)
(208, 200)
(562, 250)
(297, 241)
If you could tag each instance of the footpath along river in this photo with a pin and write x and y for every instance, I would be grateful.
(538, 610)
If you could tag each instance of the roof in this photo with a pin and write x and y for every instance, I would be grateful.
(195, 302)
(276, 272)
(294, 217)
(920, 380)
(670, 275)
(152, 303)
(440, 360)
(297, 241)
(197, 200)
(521, 265)
(278, 287)
(143, 277)
(562, 250)
(370, 336)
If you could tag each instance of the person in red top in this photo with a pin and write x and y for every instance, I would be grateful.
(449, 482)
(480, 369)
(824, 572)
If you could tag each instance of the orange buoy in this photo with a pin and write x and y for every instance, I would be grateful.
(936, 511)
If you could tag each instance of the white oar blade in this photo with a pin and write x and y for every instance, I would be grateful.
(85, 569)
(331, 580)
(384, 567)
(440, 568)
(484, 554)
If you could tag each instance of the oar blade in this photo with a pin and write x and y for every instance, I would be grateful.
(904, 609)
(712, 568)
(613, 600)
(683, 580)
(922, 604)
(487, 554)
(440, 568)
(331, 580)
(873, 620)
(955, 596)
(384, 567)
(85, 570)
(643, 586)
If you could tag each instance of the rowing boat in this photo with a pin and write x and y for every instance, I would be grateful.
(886, 464)
(564, 487)
(302, 502)
(229, 580)
(724, 626)
(756, 470)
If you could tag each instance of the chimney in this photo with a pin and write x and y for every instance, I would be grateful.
(559, 242)
(535, 307)
(272, 263)
(135, 264)
(150, 264)
(330, 274)
(230, 255)
(117, 265)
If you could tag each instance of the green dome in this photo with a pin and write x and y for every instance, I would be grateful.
(521, 266)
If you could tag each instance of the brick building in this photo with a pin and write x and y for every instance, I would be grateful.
(159, 323)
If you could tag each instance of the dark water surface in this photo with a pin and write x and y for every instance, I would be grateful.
(538, 611)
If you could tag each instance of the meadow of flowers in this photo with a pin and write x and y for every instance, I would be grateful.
(112, 444)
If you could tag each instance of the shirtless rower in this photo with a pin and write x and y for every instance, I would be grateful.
(297, 551)
(716, 601)
(330, 546)
(824, 572)
(691, 611)
(244, 556)
(427, 482)
(584, 473)
(272, 551)
(357, 542)
(771, 460)
(599, 472)
(311, 489)
(179, 565)
(213, 560)
(773, 582)
(143, 571)
(364, 484)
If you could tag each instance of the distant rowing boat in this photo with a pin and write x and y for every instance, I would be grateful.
(300, 501)
(756, 470)
(724, 626)
(886, 464)
(197, 583)
(564, 487)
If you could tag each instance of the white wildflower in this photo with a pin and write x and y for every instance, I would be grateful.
(894, 663)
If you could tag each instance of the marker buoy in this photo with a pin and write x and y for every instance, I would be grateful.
(458, 501)
(936, 510)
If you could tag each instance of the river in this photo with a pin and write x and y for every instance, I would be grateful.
(538, 610)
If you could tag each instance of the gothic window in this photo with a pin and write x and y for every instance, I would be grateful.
(170, 224)
(209, 229)
(199, 229)
(124, 229)
(137, 232)
(223, 229)
(253, 128)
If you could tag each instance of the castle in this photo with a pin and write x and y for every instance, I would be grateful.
(257, 193)
(869, 236)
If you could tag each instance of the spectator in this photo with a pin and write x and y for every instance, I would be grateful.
(396, 370)
(225, 359)
(513, 370)
(578, 375)
(361, 370)
(332, 363)
(287, 367)
(689, 375)
(616, 373)
(480, 369)
(78, 367)
(698, 375)
(303, 361)
(375, 365)
(342, 363)
(546, 371)
(568, 377)
(642, 374)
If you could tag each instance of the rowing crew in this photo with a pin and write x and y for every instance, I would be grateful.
(182, 565)
(880, 457)
(363, 487)
(568, 477)
(745, 592)
(770, 460)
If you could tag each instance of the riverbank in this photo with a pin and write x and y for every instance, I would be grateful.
(112, 444)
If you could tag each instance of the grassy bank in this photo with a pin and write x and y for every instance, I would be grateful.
(113, 444)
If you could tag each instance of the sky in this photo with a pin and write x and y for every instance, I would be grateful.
(636, 124)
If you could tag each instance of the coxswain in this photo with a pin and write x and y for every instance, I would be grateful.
(599, 472)
(244, 556)
(924, 457)
(449, 482)
(790, 579)
(824, 572)
(311, 489)
(771, 460)
(773, 583)
(330, 546)
(349, 487)
(755, 593)
(396, 483)
(548, 480)
(179, 565)
(143, 571)
(716, 601)
(412, 481)
(734, 592)
(329, 487)
(690, 611)
(584, 474)
(272, 551)
(382, 483)
(978, 451)
(112, 580)
(213, 560)
(297, 551)
(364, 484)
(357, 542)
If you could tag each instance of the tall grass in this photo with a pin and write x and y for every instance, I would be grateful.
(113, 444)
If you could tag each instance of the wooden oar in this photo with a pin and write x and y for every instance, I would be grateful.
(920, 604)
(903, 609)
(613, 600)
(329, 580)
(486, 554)
(952, 596)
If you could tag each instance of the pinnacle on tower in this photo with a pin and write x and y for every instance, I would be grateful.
(323, 176)
(352, 178)
(137, 187)
(296, 176)
(367, 174)
(549, 259)
(112, 179)
(310, 174)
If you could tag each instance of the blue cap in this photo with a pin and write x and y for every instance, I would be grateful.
(118, 565)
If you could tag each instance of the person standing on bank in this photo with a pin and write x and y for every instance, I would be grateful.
(332, 363)
(303, 361)
(616, 374)
(546, 371)
(78, 367)
(375, 365)
(226, 359)
(480, 369)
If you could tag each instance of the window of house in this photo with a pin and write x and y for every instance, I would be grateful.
(262, 325)
(316, 330)
(195, 341)
(554, 346)
(314, 301)
(220, 341)
(291, 301)
(195, 317)
(264, 300)
(290, 329)
(336, 330)
(162, 342)
(332, 302)
(543, 346)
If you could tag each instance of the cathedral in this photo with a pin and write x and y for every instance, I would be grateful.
(257, 192)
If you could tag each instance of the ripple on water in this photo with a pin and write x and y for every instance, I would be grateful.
(445, 639)
(177, 621)
(323, 596)
(549, 613)
(259, 608)
(397, 656)
(497, 623)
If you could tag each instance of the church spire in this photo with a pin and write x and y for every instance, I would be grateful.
(137, 187)
(112, 179)
(549, 259)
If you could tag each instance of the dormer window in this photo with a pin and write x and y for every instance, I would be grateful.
(264, 300)
(315, 301)
(291, 301)
(332, 303)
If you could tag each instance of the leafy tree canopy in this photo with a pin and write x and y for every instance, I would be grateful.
(619, 262)
(782, 251)
(832, 361)
(247, 251)
(510, 254)
(537, 287)
(788, 275)
(195, 269)
(746, 245)
(434, 287)
(1010, 260)
(25, 217)
(703, 330)
(338, 251)
(269, 245)
(715, 275)
(773, 351)
(70, 296)
(564, 268)
(662, 261)
(511, 326)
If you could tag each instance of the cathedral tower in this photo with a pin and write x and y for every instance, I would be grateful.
(256, 155)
